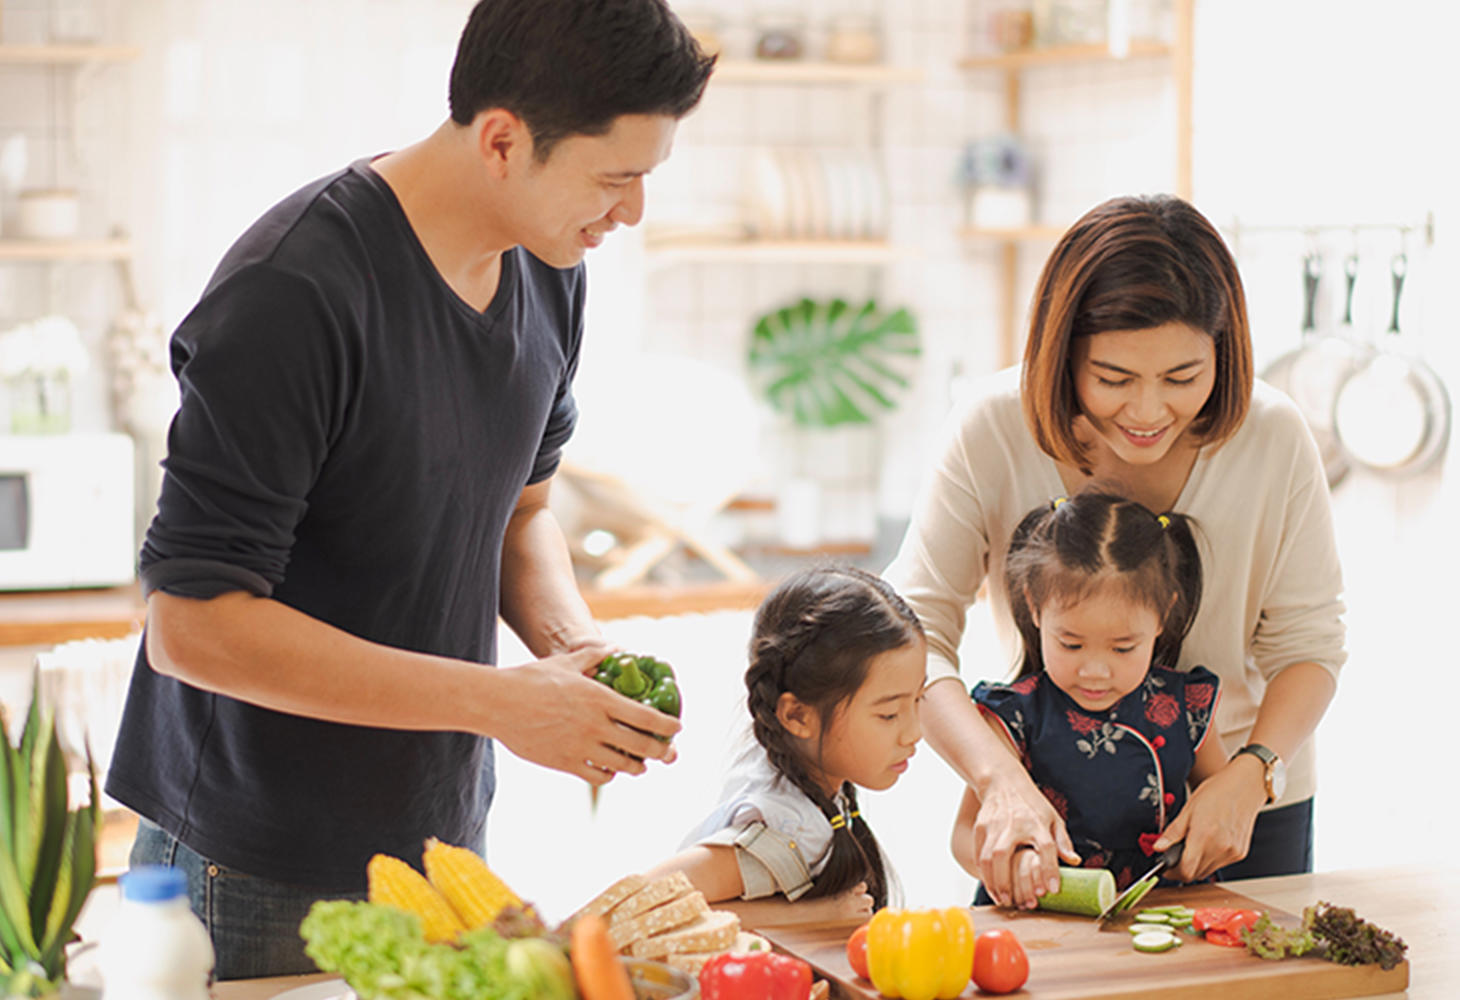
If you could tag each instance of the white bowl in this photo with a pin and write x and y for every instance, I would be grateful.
(49, 214)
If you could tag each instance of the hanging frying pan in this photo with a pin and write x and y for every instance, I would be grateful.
(1283, 373)
(1393, 413)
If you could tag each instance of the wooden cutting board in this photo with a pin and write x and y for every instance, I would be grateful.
(1069, 957)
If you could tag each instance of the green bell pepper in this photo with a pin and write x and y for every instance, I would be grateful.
(642, 678)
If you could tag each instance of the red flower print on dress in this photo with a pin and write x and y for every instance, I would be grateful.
(1199, 696)
(1163, 710)
(1027, 685)
(1096, 860)
(1080, 722)
(1060, 803)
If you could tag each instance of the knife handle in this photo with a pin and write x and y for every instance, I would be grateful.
(1171, 857)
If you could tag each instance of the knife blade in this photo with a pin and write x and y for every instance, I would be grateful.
(1166, 859)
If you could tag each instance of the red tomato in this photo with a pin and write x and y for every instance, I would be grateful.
(1207, 917)
(1239, 920)
(857, 951)
(1221, 937)
(999, 962)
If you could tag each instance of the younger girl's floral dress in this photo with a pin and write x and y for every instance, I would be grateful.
(1117, 776)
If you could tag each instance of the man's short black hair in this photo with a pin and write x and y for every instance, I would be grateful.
(571, 67)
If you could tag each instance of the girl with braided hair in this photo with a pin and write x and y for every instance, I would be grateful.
(1103, 592)
(835, 676)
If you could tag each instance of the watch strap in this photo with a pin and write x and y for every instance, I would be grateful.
(1269, 760)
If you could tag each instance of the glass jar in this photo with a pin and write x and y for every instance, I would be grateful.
(854, 38)
(780, 36)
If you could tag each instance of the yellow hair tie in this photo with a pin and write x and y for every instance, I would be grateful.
(837, 822)
(1055, 504)
(1163, 520)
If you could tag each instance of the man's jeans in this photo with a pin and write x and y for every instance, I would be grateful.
(254, 922)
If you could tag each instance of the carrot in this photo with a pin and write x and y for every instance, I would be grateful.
(599, 973)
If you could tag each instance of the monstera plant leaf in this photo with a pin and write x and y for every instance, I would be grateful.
(830, 363)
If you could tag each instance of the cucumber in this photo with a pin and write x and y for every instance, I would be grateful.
(1083, 891)
(1152, 917)
(1144, 928)
(1154, 941)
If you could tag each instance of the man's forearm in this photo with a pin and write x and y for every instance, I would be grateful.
(540, 597)
(261, 651)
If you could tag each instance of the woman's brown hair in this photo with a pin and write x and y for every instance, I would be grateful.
(1130, 264)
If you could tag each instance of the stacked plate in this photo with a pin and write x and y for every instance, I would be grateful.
(816, 194)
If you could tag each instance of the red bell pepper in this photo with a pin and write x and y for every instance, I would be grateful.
(761, 975)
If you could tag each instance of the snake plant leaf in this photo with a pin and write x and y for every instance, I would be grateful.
(8, 764)
(49, 821)
(831, 363)
(78, 863)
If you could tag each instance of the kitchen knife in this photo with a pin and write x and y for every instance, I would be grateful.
(1164, 860)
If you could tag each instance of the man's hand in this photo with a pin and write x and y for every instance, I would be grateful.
(555, 716)
(1217, 820)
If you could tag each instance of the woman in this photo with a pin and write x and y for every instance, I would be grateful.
(1138, 373)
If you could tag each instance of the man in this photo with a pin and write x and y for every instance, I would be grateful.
(375, 388)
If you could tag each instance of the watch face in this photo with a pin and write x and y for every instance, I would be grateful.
(1277, 777)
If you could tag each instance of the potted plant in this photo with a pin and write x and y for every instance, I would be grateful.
(47, 855)
(831, 369)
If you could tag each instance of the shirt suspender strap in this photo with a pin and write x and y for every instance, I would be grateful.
(762, 851)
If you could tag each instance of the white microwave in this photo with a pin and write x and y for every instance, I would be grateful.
(67, 511)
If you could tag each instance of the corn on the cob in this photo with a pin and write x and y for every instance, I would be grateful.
(396, 883)
(473, 890)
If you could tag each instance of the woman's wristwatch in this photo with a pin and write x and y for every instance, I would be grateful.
(1275, 772)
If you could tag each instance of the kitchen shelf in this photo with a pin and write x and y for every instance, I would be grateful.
(1012, 66)
(62, 250)
(795, 72)
(51, 54)
(1065, 54)
(1021, 234)
(722, 250)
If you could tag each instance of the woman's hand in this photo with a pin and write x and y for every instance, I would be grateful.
(1012, 841)
(1217, 821)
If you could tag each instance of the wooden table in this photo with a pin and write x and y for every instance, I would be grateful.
(1420, 905)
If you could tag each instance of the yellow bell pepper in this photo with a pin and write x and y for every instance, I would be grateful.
(920, 954)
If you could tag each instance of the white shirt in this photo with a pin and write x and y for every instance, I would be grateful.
(1271, 577)
(756, 791)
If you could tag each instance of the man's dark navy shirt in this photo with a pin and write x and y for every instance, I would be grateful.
(351, 441)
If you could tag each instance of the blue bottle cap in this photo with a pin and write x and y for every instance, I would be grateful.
(153, 883)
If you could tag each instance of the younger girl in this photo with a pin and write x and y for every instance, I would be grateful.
(1103, 593)
(836, 671)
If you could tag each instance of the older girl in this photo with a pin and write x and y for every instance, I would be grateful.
(836, 671)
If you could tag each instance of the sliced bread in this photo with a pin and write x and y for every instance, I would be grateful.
(673, 914)
(712, 933)
(656, 893)
(609, 898)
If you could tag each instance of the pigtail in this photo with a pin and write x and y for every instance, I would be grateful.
(813, 637)
(1184, 558)
(1021, 567)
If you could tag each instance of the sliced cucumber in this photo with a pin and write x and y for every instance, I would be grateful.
(1139, 893)
(1161, 940)
(1144, 928)
(1152, 917)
